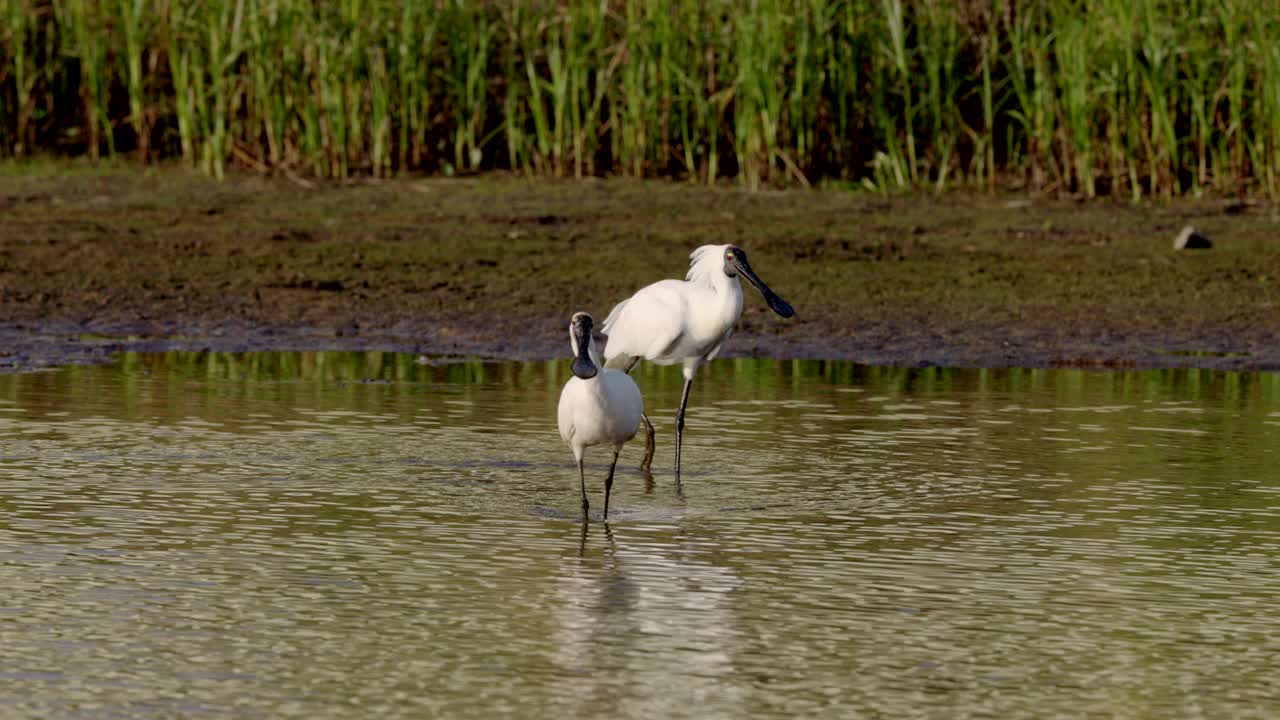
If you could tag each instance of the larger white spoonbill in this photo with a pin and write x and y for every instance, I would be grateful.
(683, 321)
(597, 406)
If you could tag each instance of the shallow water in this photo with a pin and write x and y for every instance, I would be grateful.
(338, 535)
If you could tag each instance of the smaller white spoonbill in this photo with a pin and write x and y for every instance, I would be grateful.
(597, 406)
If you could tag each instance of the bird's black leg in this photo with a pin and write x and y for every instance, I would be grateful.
(582, 476)
(608, 482)
(647, 461)
(684, 400)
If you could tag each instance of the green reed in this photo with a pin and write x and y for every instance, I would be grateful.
(1121, 97)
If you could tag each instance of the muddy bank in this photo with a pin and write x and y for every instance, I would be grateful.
(92, 263)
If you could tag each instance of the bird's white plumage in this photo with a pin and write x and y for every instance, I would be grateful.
(603, 410)
(677, 321)
(684, 321)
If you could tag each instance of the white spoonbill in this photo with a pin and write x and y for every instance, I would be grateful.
(597, 406)
(683, 321)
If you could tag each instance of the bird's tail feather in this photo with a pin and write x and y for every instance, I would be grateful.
(612, 362)
(614, 314)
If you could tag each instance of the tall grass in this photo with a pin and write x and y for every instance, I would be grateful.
(1123, 97)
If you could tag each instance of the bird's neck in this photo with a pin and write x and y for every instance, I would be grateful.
(723, 311)
(728, 287)
(721, 283)
(593, 352)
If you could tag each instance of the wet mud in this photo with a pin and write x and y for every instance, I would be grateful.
(96, 262)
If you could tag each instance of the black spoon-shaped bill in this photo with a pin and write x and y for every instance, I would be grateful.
(776, 304)
(583, 367)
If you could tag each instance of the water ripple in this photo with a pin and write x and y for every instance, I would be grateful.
(193, 541)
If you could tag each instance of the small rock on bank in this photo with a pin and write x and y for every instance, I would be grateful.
(1191, 239)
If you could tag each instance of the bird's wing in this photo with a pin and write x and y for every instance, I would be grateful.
(614, 314)
(625, 399)
(647, 323)
(564, 413)
(615, 359)
(716, 350)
